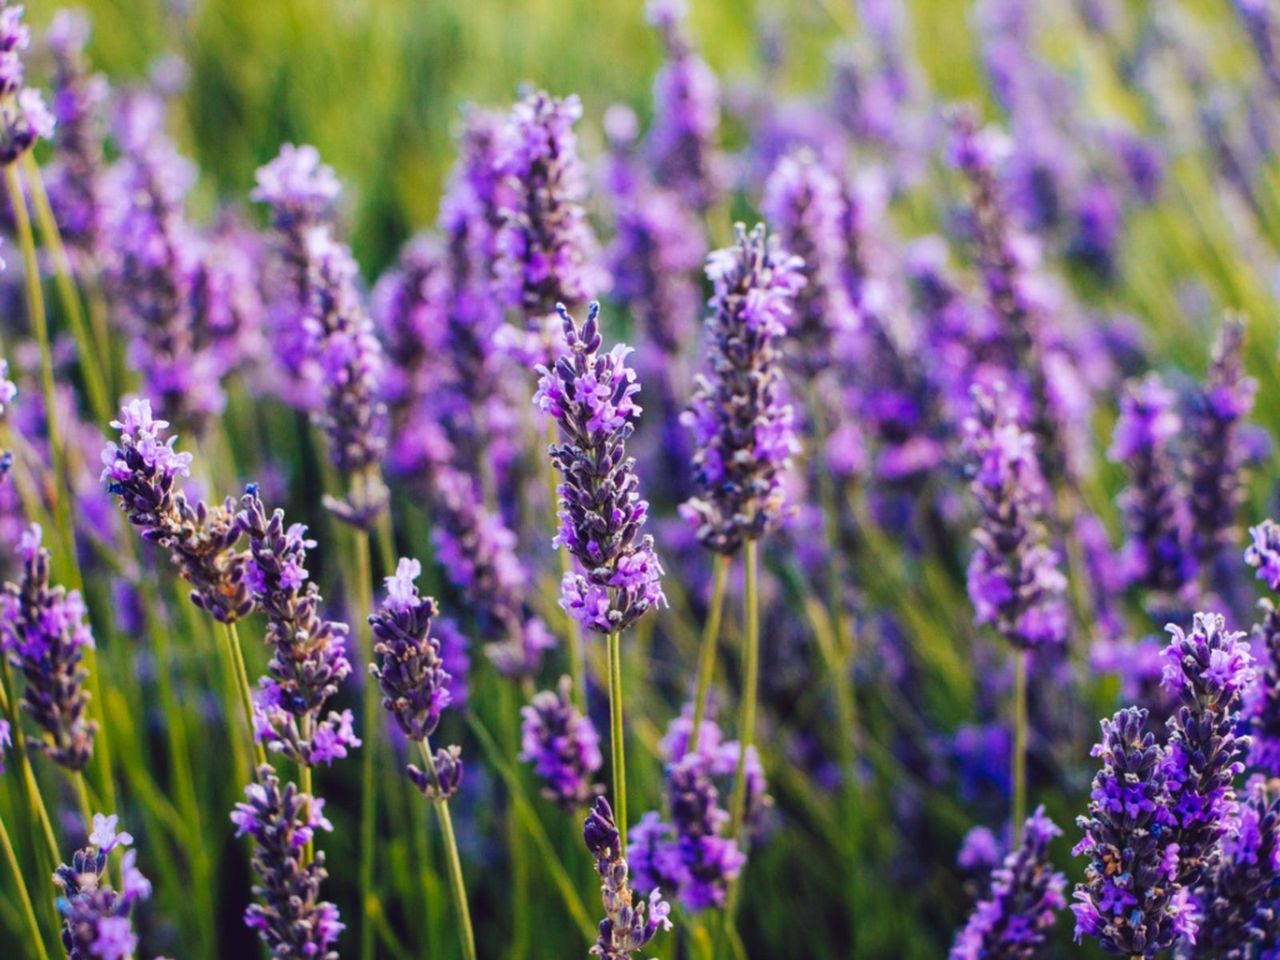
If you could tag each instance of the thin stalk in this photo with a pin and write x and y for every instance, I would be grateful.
(456, 883)
(1019, 744)
(304, 776)
(372, 721)
(617, 742)
(28, 909)
(707, 652)
(241, 673)
(750, 683)
(34, 797)
(89, 352)
(62, 491)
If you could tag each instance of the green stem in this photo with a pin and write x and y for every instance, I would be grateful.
(372, 724)
(456, 884)
(90, 353)
(62, 491)
(245, 690)
(707, 652)
(1019, 744)
(617, 742)
(34, 797)
(750, 683)
(28, 909)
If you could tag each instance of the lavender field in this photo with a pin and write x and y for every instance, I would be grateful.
(673, 479)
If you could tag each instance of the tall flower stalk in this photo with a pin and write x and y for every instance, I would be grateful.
(590, 395)
(415, 686)
(744, 438)
(1014, 580)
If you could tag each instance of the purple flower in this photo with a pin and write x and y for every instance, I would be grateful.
(152, 259)
(743, 430)
(980, 851)
(1013, 578)
(1157, 553)
(1216, 458)
(1207, 671)
(805, 204)
(24, 118)
(299, 188)
(407, 661)
(308, 660)
(291, 919)
(1237, 900)
(75, 177)
(44, 633)
(563, 747)
(1262, 703)
(1022, 904)
(96, 920)
(591, 397)
(478, 552)
(1131, 900)
(143, 471)
(626, 928)
(546, 252)
(686, 96)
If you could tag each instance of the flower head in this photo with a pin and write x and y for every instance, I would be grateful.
(625, 928)
(96, 918)
(563, 746)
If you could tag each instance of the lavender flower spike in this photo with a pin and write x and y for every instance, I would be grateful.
(24, 118)
(563, 746)
(144, 471)
(1216, 458)
(743, 431)
(546, 252)
(1238, 900)
(1131, 900)
(1207, 671)
(43, 633)
(1025, 897)
(1013, 578)
(1262, 706)
(96, 922)
(625, 927)
(409, 670)
(590, 395)
(309, 660)
(291, 919)
(1156, 554)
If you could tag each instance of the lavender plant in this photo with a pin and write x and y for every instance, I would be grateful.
(626, 927)
(96, 917)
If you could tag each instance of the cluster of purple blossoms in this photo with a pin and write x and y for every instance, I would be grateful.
(743, 430)
(545, 250)
(690, 855)
(1022, 904)
(1215, 461)
(24, 118)
(478, 550)
(308, 660)
(1207, 671)
(1262, 704)
(291, 919)
(686, 95)
(1014, 580)
(1238, 899)
(1008, 259)
(805, 203)
(43, 633)
(1131, 900)
(324, 332)
(77, 188)
(591, 397)
(563, 746)
(626, 927)
(152, 260)
(411, 674)
(143, 471)
(96, 922)
(1157, 553)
